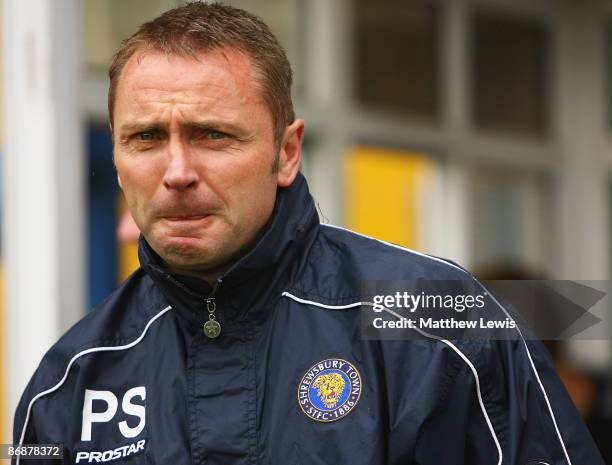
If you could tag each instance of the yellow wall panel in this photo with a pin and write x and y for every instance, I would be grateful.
(128, 259)
(382, 189)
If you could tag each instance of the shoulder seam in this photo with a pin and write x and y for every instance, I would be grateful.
(395, 246)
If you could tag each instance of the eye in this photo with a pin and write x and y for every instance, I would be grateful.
(146, 136)
(216, 135)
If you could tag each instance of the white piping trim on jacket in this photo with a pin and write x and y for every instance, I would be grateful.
(80, 354)
(331, 307)
(450, 344)
(480, 401)
(533, 367)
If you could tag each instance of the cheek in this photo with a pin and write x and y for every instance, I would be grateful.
(246, 166)
(253, 186)
(129, 185)
(250, 199)
(138, 190)
(138, 176)
(246, 175)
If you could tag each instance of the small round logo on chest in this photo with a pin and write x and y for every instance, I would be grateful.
(329, 390)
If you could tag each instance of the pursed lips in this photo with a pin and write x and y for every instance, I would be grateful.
(185, 217)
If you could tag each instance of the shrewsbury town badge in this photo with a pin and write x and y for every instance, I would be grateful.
(329, 390)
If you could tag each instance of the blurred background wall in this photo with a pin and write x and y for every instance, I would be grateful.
(478, 130)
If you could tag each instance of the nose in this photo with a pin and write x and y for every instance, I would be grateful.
(181, 173)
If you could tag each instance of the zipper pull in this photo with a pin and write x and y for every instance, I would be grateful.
(211, 328)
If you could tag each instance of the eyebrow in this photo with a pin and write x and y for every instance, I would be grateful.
(136, 127)
(214, 126)
(197, 125)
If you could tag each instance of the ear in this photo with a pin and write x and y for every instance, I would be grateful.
(119, 181)
(290, 154)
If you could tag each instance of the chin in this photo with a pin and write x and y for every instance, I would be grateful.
(190, 259)
(184, 251)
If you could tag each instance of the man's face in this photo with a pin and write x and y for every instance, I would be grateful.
(194, 150)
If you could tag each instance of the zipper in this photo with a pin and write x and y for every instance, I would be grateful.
(211, 328)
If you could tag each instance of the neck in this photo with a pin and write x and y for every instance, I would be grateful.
(210, 276)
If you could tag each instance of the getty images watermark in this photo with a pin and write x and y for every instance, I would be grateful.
(468, 309)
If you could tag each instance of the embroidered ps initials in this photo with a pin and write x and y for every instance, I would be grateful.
(127, 405)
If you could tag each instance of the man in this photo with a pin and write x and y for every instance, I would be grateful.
(239, 340)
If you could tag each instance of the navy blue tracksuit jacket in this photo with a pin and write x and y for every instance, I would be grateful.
(290, 379)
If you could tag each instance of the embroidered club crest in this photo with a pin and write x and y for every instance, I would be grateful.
(329, 390)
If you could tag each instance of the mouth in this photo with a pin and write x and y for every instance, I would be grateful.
(185, 217)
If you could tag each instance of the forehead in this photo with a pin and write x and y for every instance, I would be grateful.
(220, 75)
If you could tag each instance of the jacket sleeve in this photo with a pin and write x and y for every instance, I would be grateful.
(506, 406)
(24, 422)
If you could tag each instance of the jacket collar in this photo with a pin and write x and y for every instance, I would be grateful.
(269, 267)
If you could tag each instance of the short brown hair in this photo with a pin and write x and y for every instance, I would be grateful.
(200, 27)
